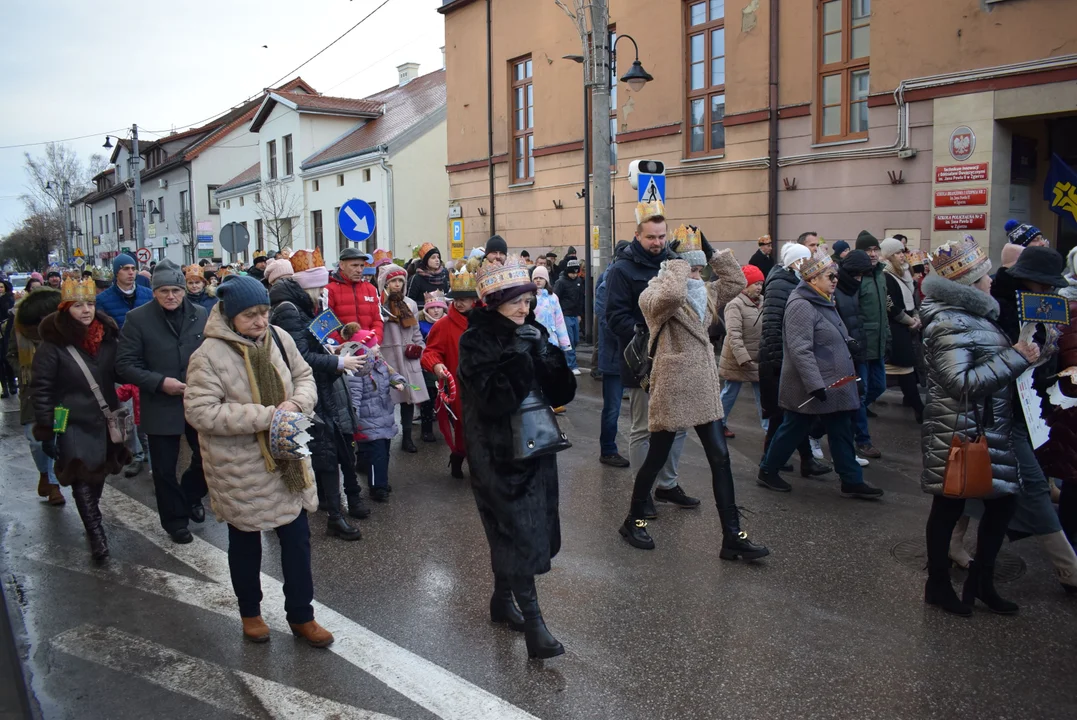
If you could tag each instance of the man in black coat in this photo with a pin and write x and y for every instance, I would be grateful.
(764, 256)
(332, 446)
(626, 279)
(851, 272)
(569, 292)
(155, 346)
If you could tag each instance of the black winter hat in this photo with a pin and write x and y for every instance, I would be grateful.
(497, 244)
(1040, 264)
(856, 262)
(866, 240)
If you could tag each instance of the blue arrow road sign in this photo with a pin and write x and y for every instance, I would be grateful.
(357, 220)
(652, 188)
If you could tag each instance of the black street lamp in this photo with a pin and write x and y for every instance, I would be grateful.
(636, 77)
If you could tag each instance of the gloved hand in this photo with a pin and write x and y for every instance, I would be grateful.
(671, 250)
(708, 249)
(819, 394)
(528, 338)
(49, 448)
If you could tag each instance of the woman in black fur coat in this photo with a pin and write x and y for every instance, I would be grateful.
(504, 355)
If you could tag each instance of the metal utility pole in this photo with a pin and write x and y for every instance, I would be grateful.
(135, 166)
(602, 197)
(66, 195)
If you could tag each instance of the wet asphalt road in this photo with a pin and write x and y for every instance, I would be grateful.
(832, 625)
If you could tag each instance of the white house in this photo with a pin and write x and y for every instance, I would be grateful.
(317, 152)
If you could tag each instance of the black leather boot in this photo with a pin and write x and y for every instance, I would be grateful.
(426, 414)
(407, 414)
(735, 542)
(357, 508)
(456, 465)
(339, 527)
(939, 591)
(540, 643)
(980, 585)
(502, 607)
(87, 500)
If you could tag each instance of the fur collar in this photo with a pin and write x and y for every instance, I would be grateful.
(948, 292)
(33, 308)
(62, 330)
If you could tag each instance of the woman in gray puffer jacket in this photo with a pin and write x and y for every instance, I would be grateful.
(970, 360)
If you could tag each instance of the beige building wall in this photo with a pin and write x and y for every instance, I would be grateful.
(421, 193)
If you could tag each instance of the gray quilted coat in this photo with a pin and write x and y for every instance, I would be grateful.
(965, 349)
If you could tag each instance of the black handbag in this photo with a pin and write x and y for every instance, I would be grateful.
(639, 354)
(535, 431)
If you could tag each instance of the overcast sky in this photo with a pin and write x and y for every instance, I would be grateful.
(73, 67)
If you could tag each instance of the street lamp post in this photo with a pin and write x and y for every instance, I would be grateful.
(134, 163)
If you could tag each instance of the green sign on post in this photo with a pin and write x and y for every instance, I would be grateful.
(205, 252)
(125, 250)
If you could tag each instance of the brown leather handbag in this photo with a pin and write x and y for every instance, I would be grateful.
(968, 466)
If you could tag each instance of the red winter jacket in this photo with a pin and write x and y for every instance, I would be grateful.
(355, 302)
(443, 347)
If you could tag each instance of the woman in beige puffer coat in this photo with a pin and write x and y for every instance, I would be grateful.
(739, 362)
(233, 382)
(678, 307)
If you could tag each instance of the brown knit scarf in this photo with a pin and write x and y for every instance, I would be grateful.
(399, 312)
(267, 389)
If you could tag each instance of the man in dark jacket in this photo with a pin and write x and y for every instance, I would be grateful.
(851, 272)
(562, 267)
(332, 447)
(782, 280)
(626, 279)
(258, 268)
(610, 369)
(876, 329)
(764, 256)
(569, 292)
(155, 346)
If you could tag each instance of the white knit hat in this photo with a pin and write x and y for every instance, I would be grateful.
(794, 253)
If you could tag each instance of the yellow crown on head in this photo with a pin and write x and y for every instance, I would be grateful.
(493, 278)
(687, 239)
(650, 211)
(816, 265)
(306, 260)
(464, 279)
(72, 290)
(382, 257)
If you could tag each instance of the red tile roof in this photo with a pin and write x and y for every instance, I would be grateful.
(405, 107)
(248, 176)
(322, 104)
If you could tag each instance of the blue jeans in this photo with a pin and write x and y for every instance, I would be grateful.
(872, 385)
(795, 428)
(375, 455)
(1035, 514)
(572, 324)
(41, 460)
(612, 393)
(245, 567)
(730, 391)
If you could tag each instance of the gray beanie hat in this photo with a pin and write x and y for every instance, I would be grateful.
(167, 274)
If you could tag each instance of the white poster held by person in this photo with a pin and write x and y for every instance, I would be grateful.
(1038, 431)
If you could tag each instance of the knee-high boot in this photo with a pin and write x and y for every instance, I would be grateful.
(87, 500)
(407, 414)
(540, 643)
(502, 607)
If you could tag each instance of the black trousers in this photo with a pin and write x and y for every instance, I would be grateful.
(910, 392)
(346, 458)
(710, 435)
(245, 567)
(945, 513)
(1067, 509)
(175, 496)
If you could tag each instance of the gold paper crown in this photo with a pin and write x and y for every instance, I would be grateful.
(688, 240)
(493, 278)
(306, 260)
(435, 296)
(464, 279)
(915, 257)
(650, 211)
(72, 290)
(816, 265)
(425, 248)
(194, 272)
(258, 254)
(958, 258)
(382, 257)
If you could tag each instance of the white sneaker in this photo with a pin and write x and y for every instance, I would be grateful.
(575, 371)
(816, 448)
(862, 461)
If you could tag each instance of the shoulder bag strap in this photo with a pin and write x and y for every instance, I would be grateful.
(90, 379)
(654, 343)
(280, 346)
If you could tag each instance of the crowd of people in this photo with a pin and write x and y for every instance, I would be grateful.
(244, 363)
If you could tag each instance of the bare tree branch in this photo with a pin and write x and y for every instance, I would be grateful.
(276, 203)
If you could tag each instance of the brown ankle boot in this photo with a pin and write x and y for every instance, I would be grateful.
(255, 629)
(43, 485)
(313, 633)
(55, 496)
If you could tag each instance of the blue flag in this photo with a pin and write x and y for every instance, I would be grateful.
(323, 325)
(1060, 188)
(1043, 308)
